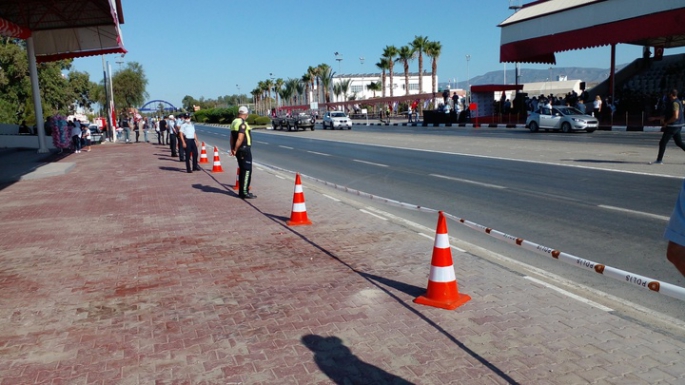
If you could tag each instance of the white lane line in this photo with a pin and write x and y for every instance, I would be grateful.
(223, 134)
(372, 214)
(469, 181)
(454, 247)
(318, 153)
(286, 147)
(663, 218)
(370, 163)
(331, 198)
(569, 294)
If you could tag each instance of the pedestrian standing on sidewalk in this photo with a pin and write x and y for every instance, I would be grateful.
(181, 151)
(75, 127)
(241, 148)
(671, 125)
(189, 142)
(126, 127)
(86, 137)
(163, 135)
(173, 134)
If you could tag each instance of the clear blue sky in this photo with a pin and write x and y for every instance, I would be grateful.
(204, 48)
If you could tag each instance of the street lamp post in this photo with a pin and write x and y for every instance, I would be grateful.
(339, 58)
(271, 75)
(468, 79)
(239, 99)
(361, 60)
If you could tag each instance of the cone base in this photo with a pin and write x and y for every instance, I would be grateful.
(299, 222)
(217, 170)
(445, 304)
(203, 160)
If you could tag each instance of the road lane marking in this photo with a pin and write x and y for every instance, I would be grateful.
(372, 214)
(318, 153)
(468, 181)
(331, 198)
(370, 163)
(569, 294)
(655, 216)
(286, 147)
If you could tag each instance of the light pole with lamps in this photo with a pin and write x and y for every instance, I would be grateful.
(239, 99)
(271, 76)
(468, 79)
(339, 58)
(361, 60)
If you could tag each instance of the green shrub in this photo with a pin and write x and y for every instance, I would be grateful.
(262, 121)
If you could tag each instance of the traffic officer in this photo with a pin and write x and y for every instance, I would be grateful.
(241, 143)
(188, 139)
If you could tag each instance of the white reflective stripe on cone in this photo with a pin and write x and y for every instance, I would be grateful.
(298, 188)
(299, 207)
(442, 241)
(442, 274)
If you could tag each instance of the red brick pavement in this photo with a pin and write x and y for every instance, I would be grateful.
(127, 270)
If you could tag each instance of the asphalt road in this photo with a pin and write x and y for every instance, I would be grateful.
(552, 189)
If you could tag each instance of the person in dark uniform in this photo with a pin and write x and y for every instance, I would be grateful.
(173, 134)
(241, 144)
(672, 125)
(188, 139)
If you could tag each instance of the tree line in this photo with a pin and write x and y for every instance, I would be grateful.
(294, 91)
(63, 90)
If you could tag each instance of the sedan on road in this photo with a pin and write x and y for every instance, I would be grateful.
(566, 119)
(336, 119)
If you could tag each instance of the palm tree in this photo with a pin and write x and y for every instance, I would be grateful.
(291, 86)
(389, 53)
(337, 91)
(299, 87)
(306, 80)
(344, 87)
(420, 44)
(383, 66)
(321, 69)
(278, 84)
(433, 50)
(313, 73)
(255, 96)
(374, 86)
(406, 53)
(326, 76)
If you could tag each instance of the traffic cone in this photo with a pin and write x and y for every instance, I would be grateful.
(217, 161)
(442, 289)
(298, 216)
(237, 179)
(203, 154)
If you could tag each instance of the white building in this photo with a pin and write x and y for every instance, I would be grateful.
(359, 83)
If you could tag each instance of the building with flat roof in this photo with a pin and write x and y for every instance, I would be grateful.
(358, 86)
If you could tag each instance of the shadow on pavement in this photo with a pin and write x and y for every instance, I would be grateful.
(410, 290)
(18, 162)
(212, 189)
(342, 367)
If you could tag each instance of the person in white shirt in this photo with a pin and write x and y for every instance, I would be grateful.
(86, 136)
(75, 135)
(188, 139)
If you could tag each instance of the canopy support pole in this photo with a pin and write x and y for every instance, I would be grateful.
(612, 84)
(37, 105)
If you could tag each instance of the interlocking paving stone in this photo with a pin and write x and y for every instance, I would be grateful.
(138, 273)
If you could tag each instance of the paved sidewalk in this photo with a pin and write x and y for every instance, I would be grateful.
(139, 273)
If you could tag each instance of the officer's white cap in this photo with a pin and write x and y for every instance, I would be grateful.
(243, 110)
(171, 116)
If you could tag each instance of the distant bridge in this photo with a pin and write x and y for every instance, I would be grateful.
(166, 106)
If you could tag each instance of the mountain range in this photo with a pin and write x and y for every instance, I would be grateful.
(589, 75)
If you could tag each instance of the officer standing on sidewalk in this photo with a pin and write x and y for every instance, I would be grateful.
(188, 139)
(241, 143)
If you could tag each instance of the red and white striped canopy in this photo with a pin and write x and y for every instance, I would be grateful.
(541, 28)
(63, 29)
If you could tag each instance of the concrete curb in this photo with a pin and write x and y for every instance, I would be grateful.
(521, 126)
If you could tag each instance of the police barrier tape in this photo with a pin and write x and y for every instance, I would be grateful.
(640, 281)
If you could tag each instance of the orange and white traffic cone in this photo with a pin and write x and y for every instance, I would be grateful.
(298, 215)
(203, 154)
(237, 179)
(217, 162)
(442, 289)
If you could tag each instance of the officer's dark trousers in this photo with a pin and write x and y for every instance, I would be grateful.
(191, 150)
(172, 143)
(669, 132)
(244, 157)
(181, 152)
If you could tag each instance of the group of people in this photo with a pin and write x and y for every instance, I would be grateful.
(180, 135)
(80, 136)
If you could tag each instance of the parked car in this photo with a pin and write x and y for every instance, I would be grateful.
(336, 119)
(301, 120)
(95, 133)
(566, 119)
(278, 122)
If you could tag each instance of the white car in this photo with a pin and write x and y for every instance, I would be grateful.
(566, 119)
(336, 119)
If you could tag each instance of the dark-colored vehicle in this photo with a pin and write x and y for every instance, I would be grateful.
(278, 122)
(566, 119)
(300, 121)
